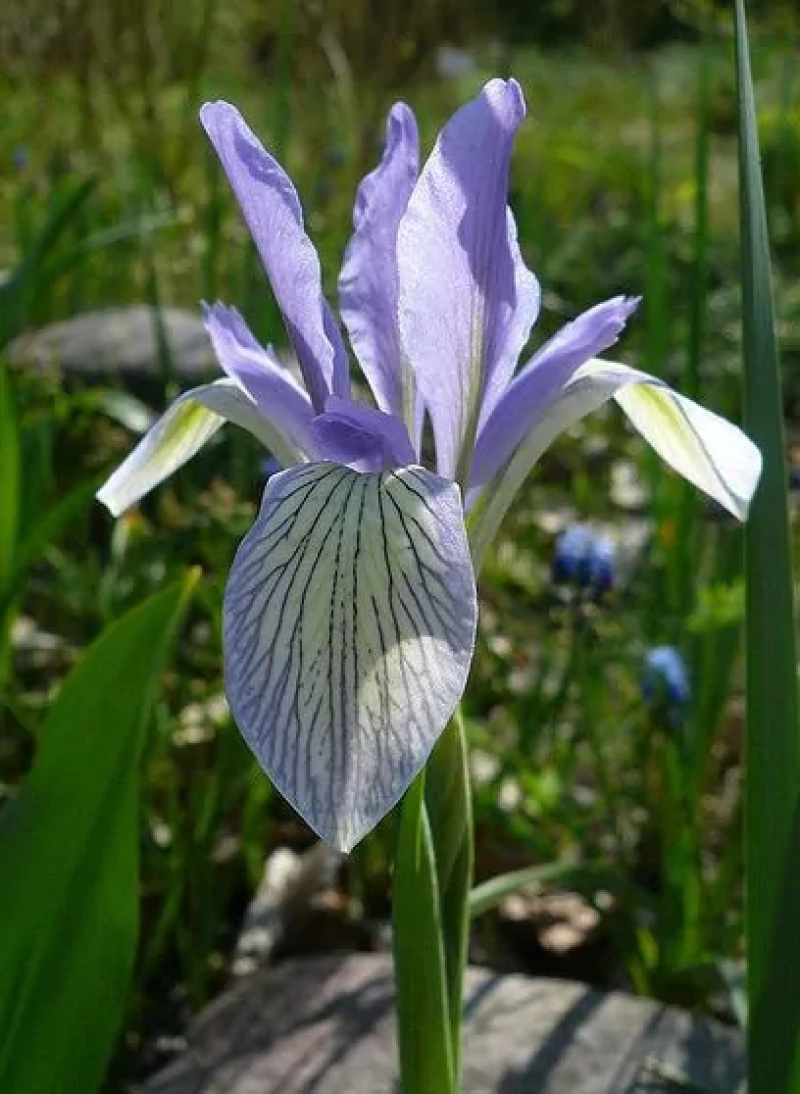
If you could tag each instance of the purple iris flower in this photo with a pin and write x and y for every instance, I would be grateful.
(350, 610)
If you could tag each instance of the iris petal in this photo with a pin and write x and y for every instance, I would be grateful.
(368, 283)
(458, 269)
(180, 433)
(361, 437)
(270, 206)
(349, 625)
(530, 393)
(270, 385)
(712, 453)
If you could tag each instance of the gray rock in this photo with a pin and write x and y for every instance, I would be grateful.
(326, 1026)
(121, 344)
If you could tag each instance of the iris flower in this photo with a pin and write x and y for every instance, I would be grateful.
(350, 609)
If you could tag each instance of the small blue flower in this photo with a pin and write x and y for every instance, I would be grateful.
(571, 555)
(584, 558)
(601, 564)
(666, 677)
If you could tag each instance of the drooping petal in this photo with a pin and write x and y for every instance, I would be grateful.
(276, 393)
(349, 624)
(530, 393)
(361, 437)
(459, 271)
(368, 289)
(712, 453)
(180, 433)
(271, 208)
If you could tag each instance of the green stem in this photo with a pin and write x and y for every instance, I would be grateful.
(423, 1025)
(449, 805)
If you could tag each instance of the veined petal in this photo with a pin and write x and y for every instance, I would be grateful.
(530, 393)
(182, 431)
(349, 625)
(458, 268)
(712, 453)
(368, 281)
(270, 206)
(277, 395)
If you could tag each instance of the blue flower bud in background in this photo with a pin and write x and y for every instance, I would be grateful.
(666, 678)
(571, 555)
(584, 558)
(600, 564)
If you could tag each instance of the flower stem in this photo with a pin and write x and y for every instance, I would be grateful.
(449, 805)
(423, 1025)
(432, 880)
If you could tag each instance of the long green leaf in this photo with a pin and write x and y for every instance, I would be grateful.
(10, 472)
(772, 839)
(423, 1030)
(490, 893)
(69, 862)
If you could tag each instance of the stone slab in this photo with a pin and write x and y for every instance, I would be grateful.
(326, 1026)
(120, 343)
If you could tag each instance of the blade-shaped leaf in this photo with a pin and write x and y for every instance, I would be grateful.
(773, 732)
(572, 875)
(9, 491)
(69, 862)
(17, 292)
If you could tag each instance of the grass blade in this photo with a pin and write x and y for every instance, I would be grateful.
(10, 492)
(772, 836)
(70, 843)
(580, 877)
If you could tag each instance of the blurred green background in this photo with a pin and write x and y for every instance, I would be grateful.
(623, 180)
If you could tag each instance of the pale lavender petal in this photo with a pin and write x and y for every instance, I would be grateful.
(349, 626)
(361, 437)
(458, 271)
(272, 210)
(709, 451)
(517, 333)
(278, 396)
(532, 391)
(181, 431)
(368, 282)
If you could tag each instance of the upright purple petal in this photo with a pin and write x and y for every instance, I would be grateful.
(518, 330)
(273, 389)
(532, 391)
(459, 270)
(272, 210)
(368, 283)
